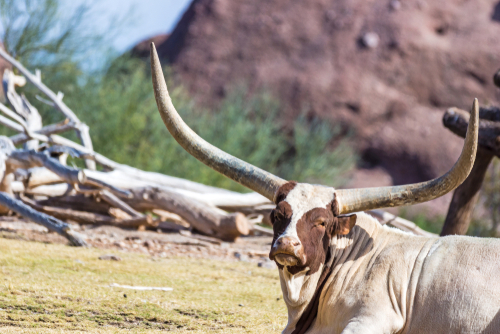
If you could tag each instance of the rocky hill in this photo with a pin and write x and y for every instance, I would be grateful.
(387, 69)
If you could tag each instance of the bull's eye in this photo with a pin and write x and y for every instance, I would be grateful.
(320, 222)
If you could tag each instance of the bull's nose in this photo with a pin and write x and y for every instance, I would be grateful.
(285, 245)
(287, 251)
(287, 242)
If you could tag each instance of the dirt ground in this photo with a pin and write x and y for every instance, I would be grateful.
(161, 243)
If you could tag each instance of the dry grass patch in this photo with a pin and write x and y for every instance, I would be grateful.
(47, 288)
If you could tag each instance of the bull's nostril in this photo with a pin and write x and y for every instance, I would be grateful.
(295, 243)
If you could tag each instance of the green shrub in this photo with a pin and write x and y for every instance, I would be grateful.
(125, 126)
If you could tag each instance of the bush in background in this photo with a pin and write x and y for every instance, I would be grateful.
(125, 126)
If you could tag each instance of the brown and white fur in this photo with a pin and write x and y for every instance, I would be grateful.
(349, 274)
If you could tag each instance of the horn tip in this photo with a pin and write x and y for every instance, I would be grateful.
(153, 53)
(475, 109)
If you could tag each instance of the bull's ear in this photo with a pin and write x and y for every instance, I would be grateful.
(345, 224)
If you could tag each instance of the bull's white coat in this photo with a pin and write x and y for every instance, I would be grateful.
(303, 198)
(387, 281)
(296, 296)
(294, 284)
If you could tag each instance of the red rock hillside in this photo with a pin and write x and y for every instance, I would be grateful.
(386, 68)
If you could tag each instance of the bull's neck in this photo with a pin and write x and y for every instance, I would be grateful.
(298, 292)
(348, 253)
(362, 240)
(370, 254)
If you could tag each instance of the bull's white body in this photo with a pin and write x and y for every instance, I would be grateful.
(387, 281)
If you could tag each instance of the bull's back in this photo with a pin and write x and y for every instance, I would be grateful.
(458, 289)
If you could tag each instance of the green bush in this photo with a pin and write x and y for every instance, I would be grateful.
(125, 126)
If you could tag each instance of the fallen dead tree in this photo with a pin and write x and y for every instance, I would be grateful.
(36, 183)
(49, 222)
(466, 195)
(204, 218)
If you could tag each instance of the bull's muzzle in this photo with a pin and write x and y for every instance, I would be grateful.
(287, 251)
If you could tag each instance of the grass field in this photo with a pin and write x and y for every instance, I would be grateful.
(46, 288)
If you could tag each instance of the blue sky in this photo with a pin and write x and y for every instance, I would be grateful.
(149, 17)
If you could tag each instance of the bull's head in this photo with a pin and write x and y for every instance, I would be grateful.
(307, 216)
(305, 219)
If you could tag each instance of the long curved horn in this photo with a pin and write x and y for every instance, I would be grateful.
(238, 170)
(353, 200)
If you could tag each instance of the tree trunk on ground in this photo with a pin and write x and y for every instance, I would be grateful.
(49, 222)
(466, 195)
(90, 218)
(204, 218)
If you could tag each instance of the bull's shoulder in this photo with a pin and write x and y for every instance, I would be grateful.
(460, 252)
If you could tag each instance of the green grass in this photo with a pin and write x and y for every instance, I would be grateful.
(48, 288)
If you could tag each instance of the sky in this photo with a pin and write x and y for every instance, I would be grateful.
(149, 17)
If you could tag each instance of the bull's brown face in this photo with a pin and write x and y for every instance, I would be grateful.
(304, 221)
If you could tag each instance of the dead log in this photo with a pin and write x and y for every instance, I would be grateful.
(457, 121)
(172, 217)
(38, 176)
(59, 189)
(78, 202)
(81, 217)
(49, 222)
(204, 218)
(466, 195)
(70, 175)
(90, 218)
(226, 200)
(118, 203)
(135, 178)
(27, 159)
